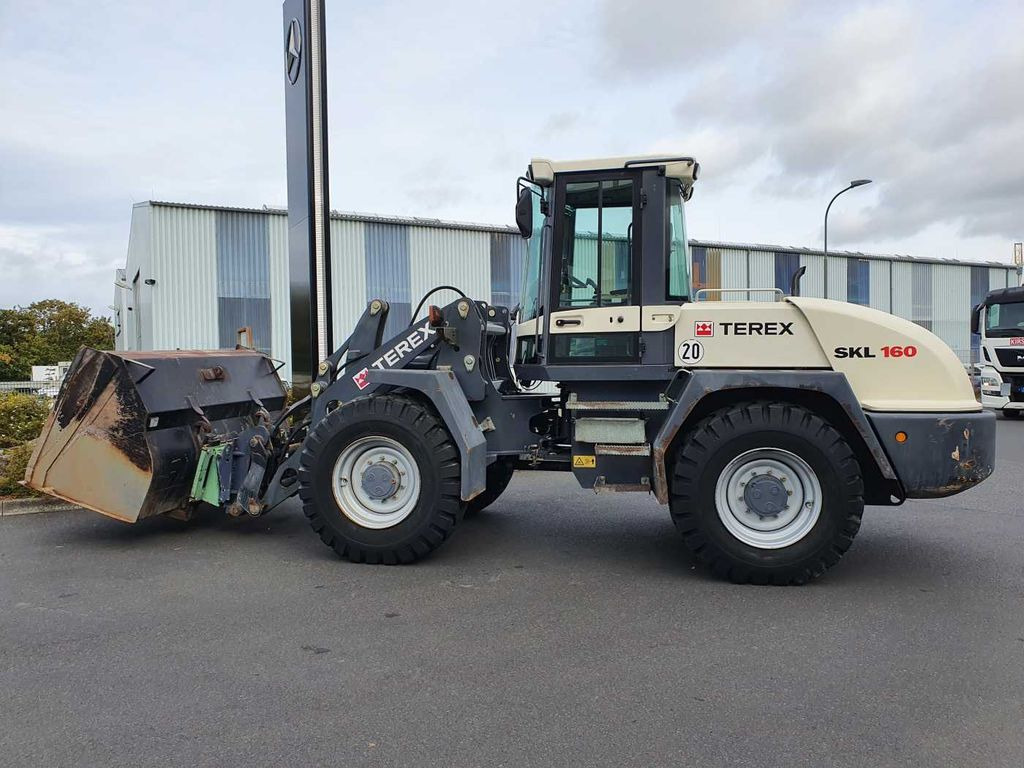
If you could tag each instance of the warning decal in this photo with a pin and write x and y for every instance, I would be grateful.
(584, 462)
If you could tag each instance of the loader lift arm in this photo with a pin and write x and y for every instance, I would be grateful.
(455, 361)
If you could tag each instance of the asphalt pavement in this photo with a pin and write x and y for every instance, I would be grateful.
(559, 628)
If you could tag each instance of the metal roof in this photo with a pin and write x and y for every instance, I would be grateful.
(369, 218)
(372, 218)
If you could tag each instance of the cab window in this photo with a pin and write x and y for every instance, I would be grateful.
(678, 277)
(597, 244)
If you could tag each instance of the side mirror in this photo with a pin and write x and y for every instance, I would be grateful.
(524, 212)
(976, 319)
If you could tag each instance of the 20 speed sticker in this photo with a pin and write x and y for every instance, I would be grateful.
(691, 351)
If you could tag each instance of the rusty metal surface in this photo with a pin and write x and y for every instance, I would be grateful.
(602, 486)
(124, 435)
(944, 454)
(575, 404)
(174, 354)
(605, 449)
(92, 450)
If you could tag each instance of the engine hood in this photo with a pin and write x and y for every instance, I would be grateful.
(892, 364)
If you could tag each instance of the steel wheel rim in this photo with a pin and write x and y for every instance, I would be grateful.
(376, 482)
(763, 481)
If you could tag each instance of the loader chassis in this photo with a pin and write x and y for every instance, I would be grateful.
(745, 418)
(764, 426)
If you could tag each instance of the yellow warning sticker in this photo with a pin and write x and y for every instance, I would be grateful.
(585, 462)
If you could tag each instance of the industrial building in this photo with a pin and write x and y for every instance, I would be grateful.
(196, 274)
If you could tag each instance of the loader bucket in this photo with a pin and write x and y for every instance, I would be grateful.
(125, 433)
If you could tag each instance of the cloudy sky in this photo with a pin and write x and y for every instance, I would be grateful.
(436, 107)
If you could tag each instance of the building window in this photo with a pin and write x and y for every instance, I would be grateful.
(858, 281)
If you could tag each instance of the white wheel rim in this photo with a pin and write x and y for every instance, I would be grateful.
(768, 498)
(376, 482)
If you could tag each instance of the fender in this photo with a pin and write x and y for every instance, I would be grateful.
(701, 383)
(443, 390)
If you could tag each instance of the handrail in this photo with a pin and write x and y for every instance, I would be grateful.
(777, 292)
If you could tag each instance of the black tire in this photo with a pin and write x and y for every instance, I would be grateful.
(1008, 414)
(499, 475)
(438, 508)
(715, 442)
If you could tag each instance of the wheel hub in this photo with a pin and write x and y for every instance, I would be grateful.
(768, 498)
(765, 496)
(380, 480)
(376, 482)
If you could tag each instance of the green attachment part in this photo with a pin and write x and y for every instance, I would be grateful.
(206, 483)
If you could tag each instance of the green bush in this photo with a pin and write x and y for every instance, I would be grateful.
(21, 418)
(12, 470)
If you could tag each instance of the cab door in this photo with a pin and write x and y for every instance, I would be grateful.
(595, 269)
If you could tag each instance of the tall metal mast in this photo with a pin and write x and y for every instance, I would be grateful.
(309, 242)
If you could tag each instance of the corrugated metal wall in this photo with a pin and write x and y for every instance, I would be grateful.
(999, 278)
(879, 274)
(139, 262)
(508, 252)
(813, 283)
(837, 277)
(184, 264)
(762, 274)
(734, 268)
(902, 289)
(219, 269)
(280, 317)
(786, 267)
(951, 306)
(386, 260)
(921, 294)
(348, 276)
(243, 278)
(858, 281)
(460, 258)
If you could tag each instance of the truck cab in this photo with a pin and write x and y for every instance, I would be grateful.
(999, 320)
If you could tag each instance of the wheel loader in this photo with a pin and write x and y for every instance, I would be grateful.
(764, 425)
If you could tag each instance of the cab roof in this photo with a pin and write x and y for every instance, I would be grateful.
(1011, 295)
(685, 169)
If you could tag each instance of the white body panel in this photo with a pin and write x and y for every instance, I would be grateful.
(891, 364)
(596, 320)
(816, 333)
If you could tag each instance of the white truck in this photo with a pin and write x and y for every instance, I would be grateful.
(999, 319)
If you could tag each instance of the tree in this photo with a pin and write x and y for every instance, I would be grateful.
(45, 333)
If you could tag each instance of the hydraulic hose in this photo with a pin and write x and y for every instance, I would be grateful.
(431, 292)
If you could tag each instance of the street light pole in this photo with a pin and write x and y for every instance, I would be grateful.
(854, 183)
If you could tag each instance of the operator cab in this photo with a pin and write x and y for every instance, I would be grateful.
(607, 244)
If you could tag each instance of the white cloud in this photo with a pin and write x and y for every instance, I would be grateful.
(928, 106)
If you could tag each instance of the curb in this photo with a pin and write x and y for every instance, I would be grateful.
(14, 507)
